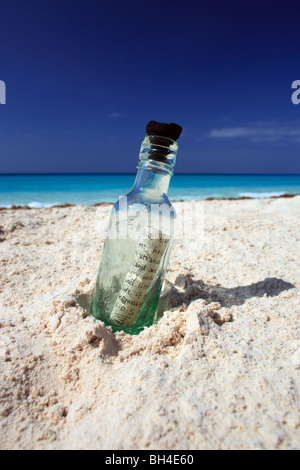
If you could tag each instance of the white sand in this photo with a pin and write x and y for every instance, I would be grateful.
(219, 371)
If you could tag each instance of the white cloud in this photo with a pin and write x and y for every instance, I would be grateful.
(115, 115)
(258, 133)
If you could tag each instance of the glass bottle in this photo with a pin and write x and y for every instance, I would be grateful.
(139, 238)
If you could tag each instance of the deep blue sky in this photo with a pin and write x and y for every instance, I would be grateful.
(84, 77)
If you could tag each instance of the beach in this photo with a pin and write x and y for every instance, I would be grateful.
(220, 370)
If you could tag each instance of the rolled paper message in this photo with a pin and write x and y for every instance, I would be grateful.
(137, 282)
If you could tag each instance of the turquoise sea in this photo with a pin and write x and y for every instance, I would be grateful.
(48, 190)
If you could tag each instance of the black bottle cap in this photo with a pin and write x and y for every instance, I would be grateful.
(171, 131)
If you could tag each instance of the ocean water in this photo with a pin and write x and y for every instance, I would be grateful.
(47, 190)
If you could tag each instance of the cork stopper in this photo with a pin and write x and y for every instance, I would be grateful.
(171, 131)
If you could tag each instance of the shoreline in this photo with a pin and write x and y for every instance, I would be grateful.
(239, 198)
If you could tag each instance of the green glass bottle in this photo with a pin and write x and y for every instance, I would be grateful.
(139, 238)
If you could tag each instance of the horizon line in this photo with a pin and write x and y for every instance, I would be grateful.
(130, 174)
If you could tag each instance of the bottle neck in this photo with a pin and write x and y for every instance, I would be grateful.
(156, 162)
(147, 180)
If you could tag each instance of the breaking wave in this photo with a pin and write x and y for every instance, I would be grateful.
(264, 194)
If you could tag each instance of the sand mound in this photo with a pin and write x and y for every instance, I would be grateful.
(220, 370)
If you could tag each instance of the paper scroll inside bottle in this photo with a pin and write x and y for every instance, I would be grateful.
(137, 282)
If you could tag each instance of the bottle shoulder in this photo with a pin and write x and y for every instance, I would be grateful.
(146, 198)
